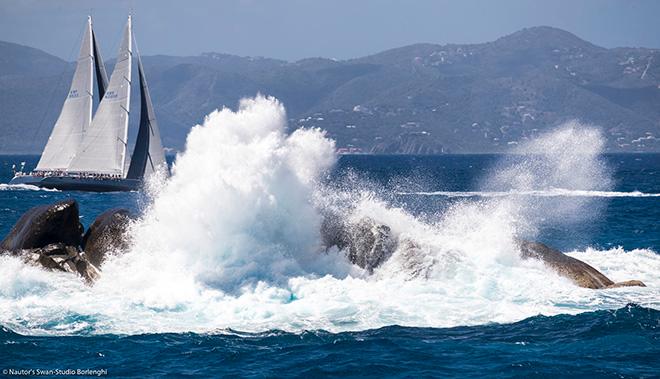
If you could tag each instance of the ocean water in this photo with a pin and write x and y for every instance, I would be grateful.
(227, 275)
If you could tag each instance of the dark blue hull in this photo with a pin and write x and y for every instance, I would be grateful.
(67, 183)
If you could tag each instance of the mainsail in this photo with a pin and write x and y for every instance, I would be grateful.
(103, 148)
(148, 156)
(76, 114)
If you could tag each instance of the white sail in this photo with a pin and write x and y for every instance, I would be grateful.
(76, 113)
(103, 149)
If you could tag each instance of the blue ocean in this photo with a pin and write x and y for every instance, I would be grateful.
(226, 275)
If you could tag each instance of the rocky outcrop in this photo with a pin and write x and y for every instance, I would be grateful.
(367, 243)
(107, 233)
(334, 231)
(370, 243)
(60, 257)
(50, 236)
(44, 225)
(579, 272)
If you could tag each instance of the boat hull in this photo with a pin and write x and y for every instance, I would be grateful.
(67, 183)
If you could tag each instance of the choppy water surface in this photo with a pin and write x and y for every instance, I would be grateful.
(227, 274)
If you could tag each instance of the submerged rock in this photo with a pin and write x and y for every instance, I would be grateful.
(579, 272)
(44, 225)
(107, 233)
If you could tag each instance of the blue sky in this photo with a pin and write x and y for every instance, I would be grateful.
(294, 29)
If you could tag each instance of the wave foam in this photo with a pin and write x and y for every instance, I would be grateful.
(232, 241)
(33, 302)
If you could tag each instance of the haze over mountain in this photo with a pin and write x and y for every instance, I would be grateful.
(422, 98)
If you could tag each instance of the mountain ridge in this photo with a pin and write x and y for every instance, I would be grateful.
(428, 98)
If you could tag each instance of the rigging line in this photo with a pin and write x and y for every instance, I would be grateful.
(151, 162)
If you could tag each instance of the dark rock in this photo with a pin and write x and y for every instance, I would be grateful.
(60, 257)
(579, 272)
(49, 236)
(371, 243)
(334, 231)
(368, 244)
(44, 225)
(107, 233)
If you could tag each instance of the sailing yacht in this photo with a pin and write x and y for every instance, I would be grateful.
(88, 153)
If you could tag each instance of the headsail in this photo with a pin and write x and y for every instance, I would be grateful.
(148, 156)
(76, 114)
(103, 149)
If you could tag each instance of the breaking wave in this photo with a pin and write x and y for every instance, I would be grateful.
(232, 241)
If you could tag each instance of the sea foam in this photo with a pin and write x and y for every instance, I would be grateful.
(232, 241)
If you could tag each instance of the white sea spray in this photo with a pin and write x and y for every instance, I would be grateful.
(232, 240)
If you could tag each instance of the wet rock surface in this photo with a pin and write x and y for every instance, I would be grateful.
(45, 224)
(106, 234)
(51, 237)
(579, 272)
(60, 257)
(368, 244)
